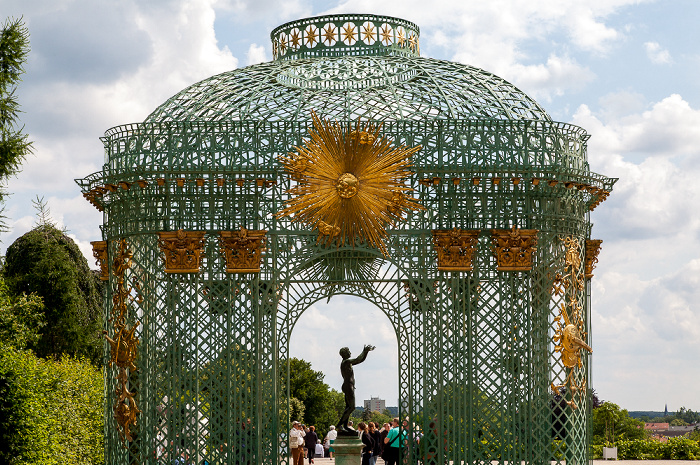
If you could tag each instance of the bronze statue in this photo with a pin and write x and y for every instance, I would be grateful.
(349, 385)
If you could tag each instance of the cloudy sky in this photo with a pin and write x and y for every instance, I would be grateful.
(625, 70)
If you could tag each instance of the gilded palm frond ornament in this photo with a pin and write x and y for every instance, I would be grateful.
(569, 337)
(350, 184)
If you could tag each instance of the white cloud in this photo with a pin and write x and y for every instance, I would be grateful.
(256, 54)
(656, 54)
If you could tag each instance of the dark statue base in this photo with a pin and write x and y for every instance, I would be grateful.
(348, 449)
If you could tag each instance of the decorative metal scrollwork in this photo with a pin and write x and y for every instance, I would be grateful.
(455, 248)
(243, 250)
(182, 249)
(124, 343)
(569, 338)
(513, 248)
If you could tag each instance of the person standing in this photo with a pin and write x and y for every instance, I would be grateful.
(376, 437)
(393, 443)
(367, 441)
(311, 440)
(332, 435)
(296, 442)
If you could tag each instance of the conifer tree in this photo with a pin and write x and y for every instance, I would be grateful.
(14, 144)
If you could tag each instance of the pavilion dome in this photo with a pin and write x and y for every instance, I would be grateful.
(346, 67)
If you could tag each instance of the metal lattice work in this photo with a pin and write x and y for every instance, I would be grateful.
(218, 278)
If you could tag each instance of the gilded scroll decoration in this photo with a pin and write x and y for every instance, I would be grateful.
(569, 337)
(455, 248)
(182, 250)
(514, 248)
(243, 249)
(123, 345)
(99, 251)
(351, 185)
(592, 251)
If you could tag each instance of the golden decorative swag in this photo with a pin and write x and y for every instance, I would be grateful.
(569, 337)
(124, 342)
(513, 248)
(455, 248)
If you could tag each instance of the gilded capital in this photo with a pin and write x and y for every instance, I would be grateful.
(455, 248)
(243, 250)
(513, 248)
(592, 251)
(182, 250)
(99, 251)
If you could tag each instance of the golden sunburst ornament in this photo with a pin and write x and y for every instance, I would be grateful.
(350, 184)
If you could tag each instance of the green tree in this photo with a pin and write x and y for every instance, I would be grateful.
(610, 423)
(14, 144)
(21, 319)
(307, 385)
(48, 263)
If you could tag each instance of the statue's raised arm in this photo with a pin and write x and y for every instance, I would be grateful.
(361, 358)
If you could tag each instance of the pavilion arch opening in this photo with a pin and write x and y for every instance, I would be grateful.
(323, 274)
(348, 321)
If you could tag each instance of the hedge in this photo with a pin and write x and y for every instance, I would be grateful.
(646, 449)
(50, 410)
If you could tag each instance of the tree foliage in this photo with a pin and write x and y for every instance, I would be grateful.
(50, 411)
(48, 263)
(14, 144)
(21, 319)
(306, 384)
(610, 423)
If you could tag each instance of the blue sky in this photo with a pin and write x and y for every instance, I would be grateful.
(625, 70)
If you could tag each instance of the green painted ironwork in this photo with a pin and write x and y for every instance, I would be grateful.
(476, 356)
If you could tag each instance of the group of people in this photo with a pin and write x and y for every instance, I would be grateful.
(304, 442)
(385, 442)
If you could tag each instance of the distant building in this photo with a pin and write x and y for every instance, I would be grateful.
(656, 427)
(375, 404)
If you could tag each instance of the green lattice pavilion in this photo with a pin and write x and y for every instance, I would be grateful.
(250, 195)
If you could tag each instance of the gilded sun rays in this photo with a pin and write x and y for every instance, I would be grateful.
(350, 184)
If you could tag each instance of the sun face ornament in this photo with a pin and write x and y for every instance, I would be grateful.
(350, 184)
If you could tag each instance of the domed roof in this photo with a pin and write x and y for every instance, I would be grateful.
(346, 67)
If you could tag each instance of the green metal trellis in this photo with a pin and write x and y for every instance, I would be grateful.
(476, 353)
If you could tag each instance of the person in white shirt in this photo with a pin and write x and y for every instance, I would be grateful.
(319, 449)
(296, 441)
(332, 435)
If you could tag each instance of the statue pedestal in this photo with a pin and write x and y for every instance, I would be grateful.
(348, 449)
